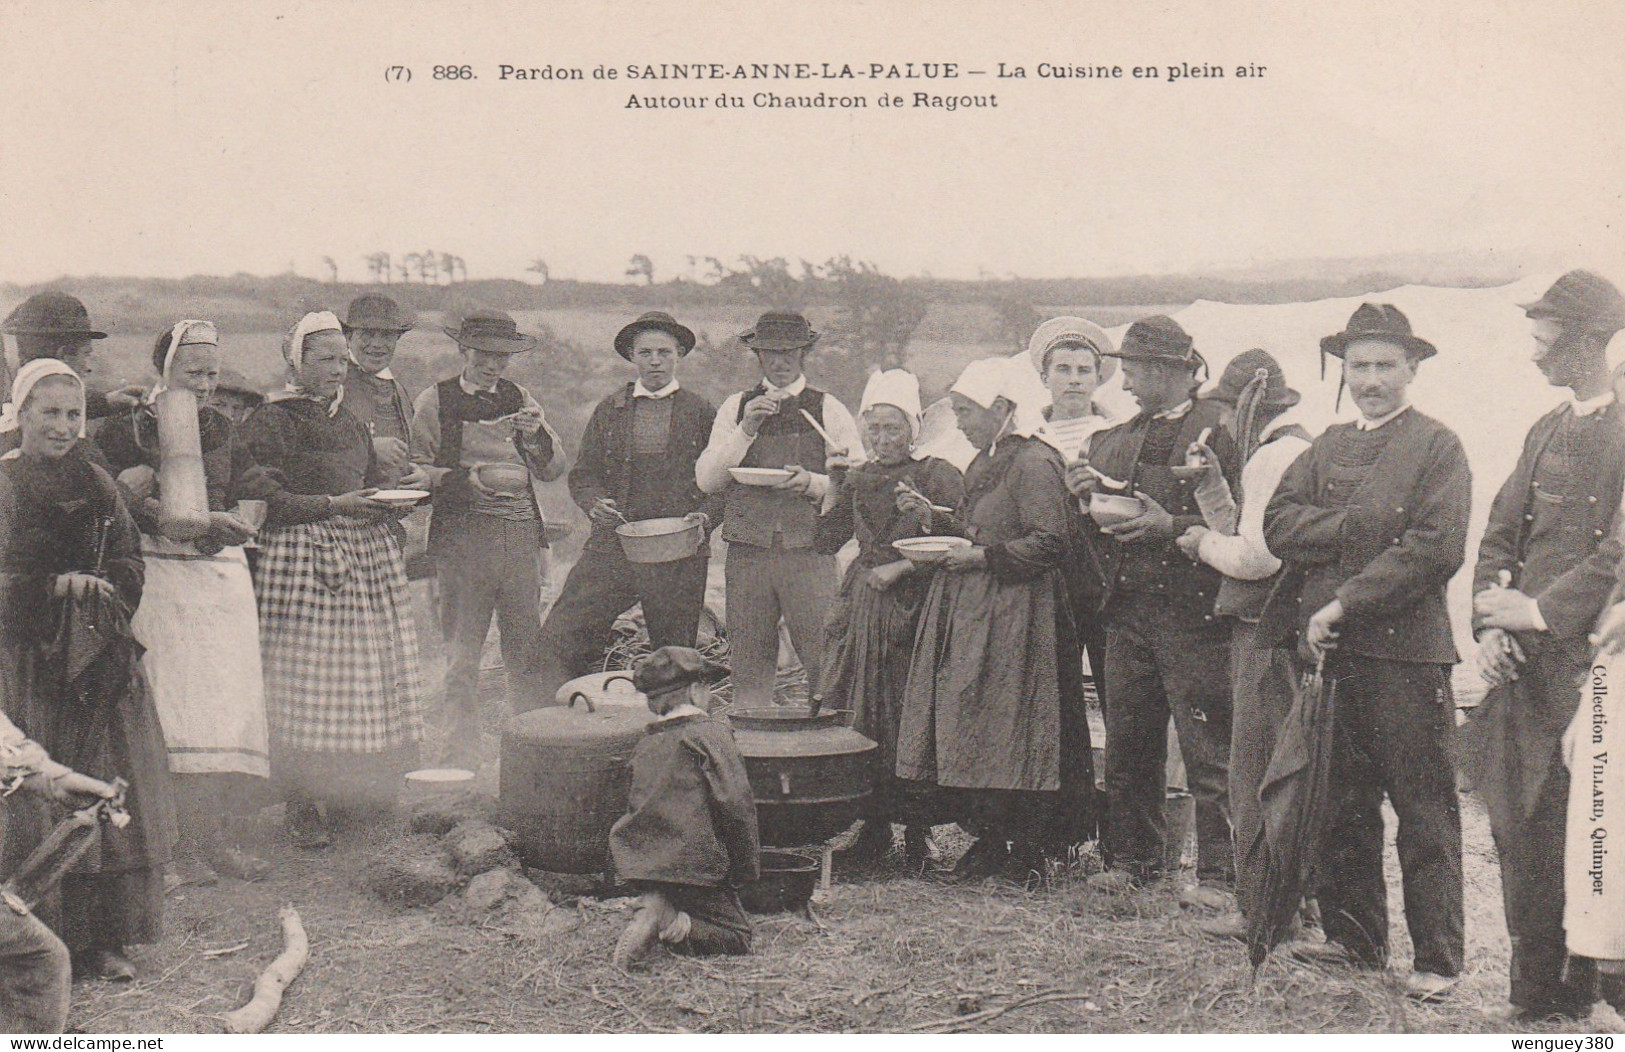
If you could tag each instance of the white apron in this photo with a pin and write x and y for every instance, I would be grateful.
(1594, 865)
(200, 626)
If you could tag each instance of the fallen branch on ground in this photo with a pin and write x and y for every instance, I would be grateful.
(257, 1014)
(962, 1021)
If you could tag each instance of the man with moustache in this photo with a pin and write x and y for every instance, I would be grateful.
(636, 462)
(1543, 576)
(1371, 522)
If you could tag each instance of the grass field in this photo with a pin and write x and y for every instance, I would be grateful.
(885, 952)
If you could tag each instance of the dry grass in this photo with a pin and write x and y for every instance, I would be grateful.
(886, 952)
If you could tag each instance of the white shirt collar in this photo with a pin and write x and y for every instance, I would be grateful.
(795, 387)
(1173, 412)
(1591, 405)
(468, 388)
(639, 391)
(1365, 424)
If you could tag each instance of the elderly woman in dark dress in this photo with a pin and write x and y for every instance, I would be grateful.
(71, 577)
(342, 682)
(994, 705)
(871, 636)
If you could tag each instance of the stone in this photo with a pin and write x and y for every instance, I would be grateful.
(477, 846)
(439, 814)
(488, 890)
(416, 873)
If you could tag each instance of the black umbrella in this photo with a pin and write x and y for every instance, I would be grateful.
(1295, 798)
(66, 844)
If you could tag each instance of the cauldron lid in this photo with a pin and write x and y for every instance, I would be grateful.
(788, 718)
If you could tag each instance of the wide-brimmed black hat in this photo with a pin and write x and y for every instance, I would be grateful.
(373, 310)
(671, 667)
(779, 331)
(1158, 338)
(1584, 300)
(489, 329)
(1243, 370)
(660, 321)
(1377, 321)
(51, 314)
(234, 382)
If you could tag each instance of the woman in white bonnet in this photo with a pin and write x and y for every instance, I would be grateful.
(994, 706)
(871, 635)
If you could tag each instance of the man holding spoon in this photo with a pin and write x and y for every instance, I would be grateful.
(774, 570)
(1166, 651)
(482, 439)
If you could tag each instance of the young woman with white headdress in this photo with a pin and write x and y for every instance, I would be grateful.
(871, 635)
(342, 681)
(197, 618)
(994, 705)
(71, 578)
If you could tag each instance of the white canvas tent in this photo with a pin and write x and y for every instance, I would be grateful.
(1482, 384)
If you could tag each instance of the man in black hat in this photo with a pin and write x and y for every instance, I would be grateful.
(774, 569)
(56, 325)
(481, 440)
(636, 462)
(1166, 651)
(1372, 524)
(373, 326)
(1253, 397)
(1543, 576)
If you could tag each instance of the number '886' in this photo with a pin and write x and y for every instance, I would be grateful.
(454, 73)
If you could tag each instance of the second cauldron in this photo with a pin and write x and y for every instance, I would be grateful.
(810, 774)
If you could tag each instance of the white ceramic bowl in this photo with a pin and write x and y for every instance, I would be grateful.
(928, 549)
(400, 497)
(760, 476)
(1109, 509)
(440, 779)
(504, 478)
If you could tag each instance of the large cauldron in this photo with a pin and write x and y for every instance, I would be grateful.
(810, 774)
(566, 777)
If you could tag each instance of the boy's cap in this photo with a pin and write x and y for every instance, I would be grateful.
(671, 667)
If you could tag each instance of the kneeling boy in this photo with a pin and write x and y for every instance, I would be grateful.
(689, 840)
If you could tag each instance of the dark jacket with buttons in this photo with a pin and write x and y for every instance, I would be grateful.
(604, 468)
(1158, 569)
(1570, 580)
(1387, 554)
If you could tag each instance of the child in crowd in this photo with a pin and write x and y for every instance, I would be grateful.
(689, 840)
(35, 973)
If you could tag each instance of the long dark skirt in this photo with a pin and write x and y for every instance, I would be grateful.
(870, 646)
(114, 896)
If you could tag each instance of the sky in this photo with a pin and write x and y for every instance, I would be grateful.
(168, 138)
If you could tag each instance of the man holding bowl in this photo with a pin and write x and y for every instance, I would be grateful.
(482, 439)
(636, 464)
(775, 570)
(1166, 650)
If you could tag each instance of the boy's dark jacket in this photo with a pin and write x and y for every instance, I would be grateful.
(692, 817)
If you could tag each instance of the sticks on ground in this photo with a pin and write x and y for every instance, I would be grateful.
(1043, 997)
(257, 1014)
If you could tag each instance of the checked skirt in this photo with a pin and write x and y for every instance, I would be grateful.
(337, 639)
